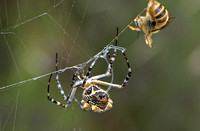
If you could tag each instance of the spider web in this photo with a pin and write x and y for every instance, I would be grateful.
(31, 33)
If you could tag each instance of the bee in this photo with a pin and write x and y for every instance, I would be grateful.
(156, 19)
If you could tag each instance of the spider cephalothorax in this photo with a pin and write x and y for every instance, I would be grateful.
(96, 99)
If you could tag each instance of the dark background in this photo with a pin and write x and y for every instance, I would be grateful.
(162, 94)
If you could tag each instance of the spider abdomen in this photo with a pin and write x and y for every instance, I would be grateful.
(97, 99)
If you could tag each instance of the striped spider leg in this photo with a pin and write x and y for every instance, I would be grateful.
(60, 88)
(110, 65)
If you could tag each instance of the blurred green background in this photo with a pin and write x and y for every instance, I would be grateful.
(162, 94)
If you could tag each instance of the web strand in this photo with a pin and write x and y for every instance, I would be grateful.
(26, 21)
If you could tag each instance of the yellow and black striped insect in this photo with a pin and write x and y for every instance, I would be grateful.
(157, 18)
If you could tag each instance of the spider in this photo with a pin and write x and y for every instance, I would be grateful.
(94, 97)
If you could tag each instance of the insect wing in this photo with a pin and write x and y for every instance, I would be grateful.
(168, 22)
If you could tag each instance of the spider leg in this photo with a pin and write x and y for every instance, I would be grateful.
(108, 73)
(51, 99)
(71, 96)
(129, 70)
(109, 70)
(89, 71)
(112, 59)
(102, 83)
(78, 103)
(74, 77)
(60, 87)
(127, 62)
(83, 74)
(110, 67)
(57, 80)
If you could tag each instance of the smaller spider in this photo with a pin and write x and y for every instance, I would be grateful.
(94, 97)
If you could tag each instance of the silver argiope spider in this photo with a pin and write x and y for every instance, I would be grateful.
(94, 97)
